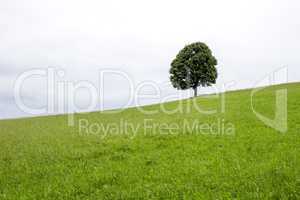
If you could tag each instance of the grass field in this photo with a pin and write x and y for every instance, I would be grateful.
(43, 158)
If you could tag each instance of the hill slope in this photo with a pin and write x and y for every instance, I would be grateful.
(163, 155)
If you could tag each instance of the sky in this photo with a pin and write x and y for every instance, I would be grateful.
(113, 50)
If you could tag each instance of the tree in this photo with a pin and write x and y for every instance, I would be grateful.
(193, 66)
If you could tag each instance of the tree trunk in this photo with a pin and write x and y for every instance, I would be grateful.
(195, 91)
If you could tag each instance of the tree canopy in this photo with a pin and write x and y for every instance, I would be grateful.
(193, 66)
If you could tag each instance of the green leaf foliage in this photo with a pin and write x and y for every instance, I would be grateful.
(193, 66)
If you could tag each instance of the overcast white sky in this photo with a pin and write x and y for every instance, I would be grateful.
(249, 39)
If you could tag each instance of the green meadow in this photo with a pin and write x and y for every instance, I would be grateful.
(163, 151)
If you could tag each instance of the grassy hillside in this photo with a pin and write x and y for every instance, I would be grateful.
(43, 158)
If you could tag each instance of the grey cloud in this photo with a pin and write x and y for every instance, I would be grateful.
(249, 38)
